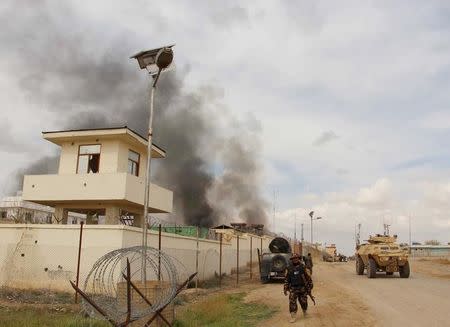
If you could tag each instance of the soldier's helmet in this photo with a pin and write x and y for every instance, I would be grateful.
(295, 256)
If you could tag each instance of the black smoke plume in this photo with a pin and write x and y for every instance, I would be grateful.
(87, 80)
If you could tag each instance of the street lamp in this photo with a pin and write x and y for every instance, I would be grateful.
(154, 61)
(311, 214)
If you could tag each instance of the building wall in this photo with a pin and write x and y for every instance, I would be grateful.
(109, 156)
(113, 156)
(15, 209)
(94, 187)
(123, 148)
(436, 251)
(45, 256)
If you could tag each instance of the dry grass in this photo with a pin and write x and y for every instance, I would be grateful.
(442, 261)
(34, 317)
(223, 310)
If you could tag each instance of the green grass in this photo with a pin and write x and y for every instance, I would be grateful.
(225, 310)
(26, 317)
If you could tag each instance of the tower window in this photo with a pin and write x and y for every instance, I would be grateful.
(88, 159)
(133, 163)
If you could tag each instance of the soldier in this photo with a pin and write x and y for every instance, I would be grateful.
(299, 283)
(309, 263)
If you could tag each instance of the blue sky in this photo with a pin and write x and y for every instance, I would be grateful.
(352, 98)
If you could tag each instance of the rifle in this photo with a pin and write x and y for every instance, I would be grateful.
(308, 289)
(313, 299)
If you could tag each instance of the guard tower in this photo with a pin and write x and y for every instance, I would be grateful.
(101, 174)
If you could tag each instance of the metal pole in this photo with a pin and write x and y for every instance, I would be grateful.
(410, 234)
(302, 239)
(251, 250)
(79, 259)
(159, 252)
(237, 261)
(261, 244)
(311, 231)
(147, 182)
(196, 260)
(128, 293)
(295, 230)
(220, 260)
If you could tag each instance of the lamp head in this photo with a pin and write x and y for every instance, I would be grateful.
(155, 59)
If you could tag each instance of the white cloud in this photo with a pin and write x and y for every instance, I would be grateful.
(372, 206)
(378, 195)
(377, 73)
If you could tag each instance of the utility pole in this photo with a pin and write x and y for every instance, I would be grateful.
(295, 228)
(302, 233)
(274, 209)
(302, 239)
(409, 233)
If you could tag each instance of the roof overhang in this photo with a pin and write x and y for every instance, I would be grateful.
(122, 133)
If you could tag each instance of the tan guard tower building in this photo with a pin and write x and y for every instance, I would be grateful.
(101, 174)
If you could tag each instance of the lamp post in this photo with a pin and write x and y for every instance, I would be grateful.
(311, 214)
(154, 61)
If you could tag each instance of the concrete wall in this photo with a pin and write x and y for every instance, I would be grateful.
(113, 156)
(50, 189)
(45, 256)
(436, 251)
(109, 156)
(123, 157)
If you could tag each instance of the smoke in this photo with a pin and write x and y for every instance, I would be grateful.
(42, 166)
(88, 82)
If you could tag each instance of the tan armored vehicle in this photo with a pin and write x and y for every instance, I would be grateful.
(381, 253)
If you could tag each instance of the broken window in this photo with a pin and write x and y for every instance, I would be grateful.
(133, 163)
(3, 214)
(88, 159)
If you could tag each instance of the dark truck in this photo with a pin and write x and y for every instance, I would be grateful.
(272, 265)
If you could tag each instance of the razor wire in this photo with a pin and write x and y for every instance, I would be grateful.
(105, 284)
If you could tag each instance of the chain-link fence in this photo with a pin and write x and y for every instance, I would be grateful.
(46, 257)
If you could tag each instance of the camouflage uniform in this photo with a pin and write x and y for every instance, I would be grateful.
(308, 262)
(298, 282)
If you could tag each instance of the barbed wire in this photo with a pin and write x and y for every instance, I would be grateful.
(106, 286)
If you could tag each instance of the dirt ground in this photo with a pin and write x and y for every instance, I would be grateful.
(433, 267)
(343, 298)
(346, 299)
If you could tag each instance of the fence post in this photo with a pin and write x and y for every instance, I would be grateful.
(237, 261)
(79, 258)
(220, 261)
(251, 257)
(159, 253)
(196, 259)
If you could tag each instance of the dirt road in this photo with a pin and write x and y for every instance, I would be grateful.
(345, 299)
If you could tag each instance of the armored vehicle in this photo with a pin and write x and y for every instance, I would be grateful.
(382, 253)
(272, 265)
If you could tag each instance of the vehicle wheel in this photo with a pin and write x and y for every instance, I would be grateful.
(389, 273)
(372, 269)
(359, 266)
(404, 270)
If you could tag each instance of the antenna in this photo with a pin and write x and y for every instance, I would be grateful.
(386, 229)
(358, 234)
